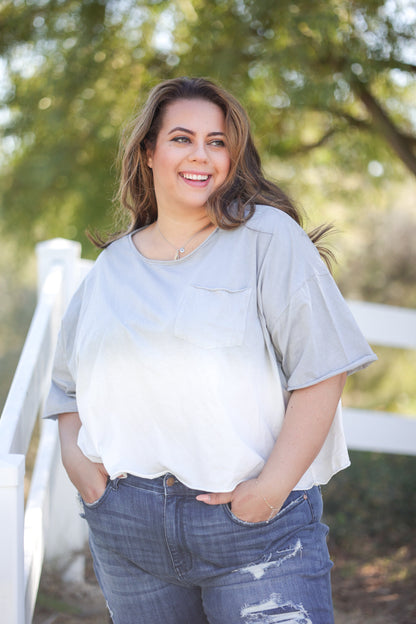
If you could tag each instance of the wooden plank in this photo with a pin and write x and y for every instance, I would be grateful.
(38, 512)
(385, 325)
(12, 470)
(382, 432)
(31, 378)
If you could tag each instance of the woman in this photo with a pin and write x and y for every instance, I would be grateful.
(197, 380)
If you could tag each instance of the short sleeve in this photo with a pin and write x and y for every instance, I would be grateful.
(313, 331)
(317, 335)
(62, 393)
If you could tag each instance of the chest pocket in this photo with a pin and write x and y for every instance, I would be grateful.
(213, 317)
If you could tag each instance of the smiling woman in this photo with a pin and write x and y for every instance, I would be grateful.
(189, 161)
(197, 380)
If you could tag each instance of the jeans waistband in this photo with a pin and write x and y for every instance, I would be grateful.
(165, 484)
(168, 484)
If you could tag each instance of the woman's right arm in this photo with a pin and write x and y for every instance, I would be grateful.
(89, 478)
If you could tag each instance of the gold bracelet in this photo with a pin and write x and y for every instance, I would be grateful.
(266, 501)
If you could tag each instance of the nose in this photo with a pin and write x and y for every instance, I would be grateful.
(199, 152)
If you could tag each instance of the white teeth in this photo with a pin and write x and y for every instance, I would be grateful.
(194, 176)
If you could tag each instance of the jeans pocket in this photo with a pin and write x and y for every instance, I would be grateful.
(293, 501)
(99, 500)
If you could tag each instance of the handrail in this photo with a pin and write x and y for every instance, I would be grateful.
(29, 382)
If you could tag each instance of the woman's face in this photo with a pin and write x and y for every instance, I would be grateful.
(190, 159)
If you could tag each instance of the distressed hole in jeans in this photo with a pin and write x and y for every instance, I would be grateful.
(109, 610)
(275, 610)
(258, 570)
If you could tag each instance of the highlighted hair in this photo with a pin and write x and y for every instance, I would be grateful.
(231, 204)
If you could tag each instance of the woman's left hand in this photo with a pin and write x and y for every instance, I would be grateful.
(247, 502)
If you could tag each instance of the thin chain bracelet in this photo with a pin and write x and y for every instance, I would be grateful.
(268, 504)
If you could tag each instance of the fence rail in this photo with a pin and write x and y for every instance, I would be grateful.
(40, 529)
(384, 432)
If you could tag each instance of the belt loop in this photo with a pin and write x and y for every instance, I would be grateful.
(115, 482)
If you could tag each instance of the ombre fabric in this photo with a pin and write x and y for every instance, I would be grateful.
(186, 366)
(162, 556)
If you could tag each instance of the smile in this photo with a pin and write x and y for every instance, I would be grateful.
(199, 177)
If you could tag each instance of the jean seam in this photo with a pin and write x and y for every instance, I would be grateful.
(311, 506)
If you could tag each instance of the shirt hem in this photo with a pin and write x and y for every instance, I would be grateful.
(321, 480)
(301, 485)
(350, 368)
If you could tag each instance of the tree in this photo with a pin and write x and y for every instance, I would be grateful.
(334, 76)
(75, 71)
(339, 72)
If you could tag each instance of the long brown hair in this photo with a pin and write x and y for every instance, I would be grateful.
(230, 205)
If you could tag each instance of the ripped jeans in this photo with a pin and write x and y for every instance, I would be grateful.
(162, 557)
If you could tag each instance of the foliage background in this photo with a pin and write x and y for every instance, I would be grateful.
(330, 88)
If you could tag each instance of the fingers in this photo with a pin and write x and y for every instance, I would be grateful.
(91, 489)
(247, 502)
(215, 498)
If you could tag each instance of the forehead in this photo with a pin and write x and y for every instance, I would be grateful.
(196, 115)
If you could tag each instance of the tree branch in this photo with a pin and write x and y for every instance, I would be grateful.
(408, 67)
(394, 64)
(398, 141)
(362, 124)
(310, 146)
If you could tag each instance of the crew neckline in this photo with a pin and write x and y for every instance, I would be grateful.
(168, 262)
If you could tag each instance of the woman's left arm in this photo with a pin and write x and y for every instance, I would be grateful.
(309, 415)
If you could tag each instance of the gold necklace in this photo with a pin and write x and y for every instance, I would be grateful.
(181, 250)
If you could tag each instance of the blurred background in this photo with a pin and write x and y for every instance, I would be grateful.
(330, 87)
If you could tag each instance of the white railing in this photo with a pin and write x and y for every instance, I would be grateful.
(50, 526)
(384, 432)
(51, 507)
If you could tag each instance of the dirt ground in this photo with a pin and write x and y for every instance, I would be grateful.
(367, 589)
(375, 588)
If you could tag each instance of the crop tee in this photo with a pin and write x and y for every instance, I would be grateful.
(186, 366)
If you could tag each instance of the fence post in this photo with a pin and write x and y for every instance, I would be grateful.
(12, 471)
(65, 252)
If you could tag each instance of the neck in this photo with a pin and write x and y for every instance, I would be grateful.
(177, 229)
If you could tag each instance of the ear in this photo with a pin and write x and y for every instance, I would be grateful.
(149, 157)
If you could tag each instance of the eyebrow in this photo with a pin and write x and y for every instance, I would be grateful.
(180, 129)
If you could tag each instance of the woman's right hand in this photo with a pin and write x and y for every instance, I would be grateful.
(89, 478)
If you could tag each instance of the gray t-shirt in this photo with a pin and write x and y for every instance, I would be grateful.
(186, 366)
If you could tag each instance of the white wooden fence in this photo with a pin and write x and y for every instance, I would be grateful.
(49, 525)
(373, 430)
(50, 522)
